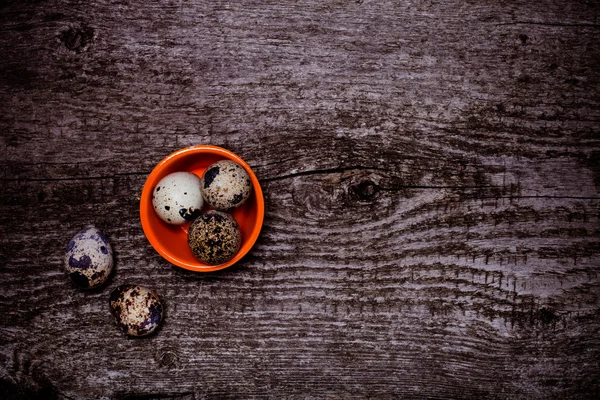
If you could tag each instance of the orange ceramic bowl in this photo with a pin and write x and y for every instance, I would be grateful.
(170, 241)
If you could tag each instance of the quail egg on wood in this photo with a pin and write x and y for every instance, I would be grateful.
(137, 309)
(214, 237)
(177, 198)
(226, 184)
(89, 258)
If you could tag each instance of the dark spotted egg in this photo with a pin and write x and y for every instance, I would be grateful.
(177, 198)
(89, 258)
(214, 237)
(137, 309)
(226, 184)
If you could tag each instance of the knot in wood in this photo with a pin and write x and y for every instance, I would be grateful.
(167, 359)
(523, 38)
(77, 39)
(546, 316)
(366, 190)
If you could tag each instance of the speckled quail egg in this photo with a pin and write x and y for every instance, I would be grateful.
(177, 198)
(214, 237)
(226, 184)
(137, 309)
(89, 258)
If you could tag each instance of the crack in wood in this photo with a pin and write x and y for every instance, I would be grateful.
(558, 24)
(323, 172)
(82, 178)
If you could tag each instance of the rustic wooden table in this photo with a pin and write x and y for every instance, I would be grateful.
(431, 174)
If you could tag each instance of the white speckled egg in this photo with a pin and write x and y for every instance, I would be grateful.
(226, 184)
(177, 198)
(137, 309)
(89, 258)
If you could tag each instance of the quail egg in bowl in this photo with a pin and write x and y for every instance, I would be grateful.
(177, 198)
(225, 185)
(214, 237)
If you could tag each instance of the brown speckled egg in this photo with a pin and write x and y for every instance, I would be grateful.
(138, 310)
(89, 258)
(225, 184)
(214, 237)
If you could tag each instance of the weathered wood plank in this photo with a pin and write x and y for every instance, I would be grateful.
(431, 174)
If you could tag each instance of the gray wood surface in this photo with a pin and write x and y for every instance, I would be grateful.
(431, 173)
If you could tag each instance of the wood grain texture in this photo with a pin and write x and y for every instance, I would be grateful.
(431, 173)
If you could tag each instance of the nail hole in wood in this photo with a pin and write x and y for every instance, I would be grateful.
(77, 39)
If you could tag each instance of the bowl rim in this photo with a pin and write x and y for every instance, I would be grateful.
(147, 192)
